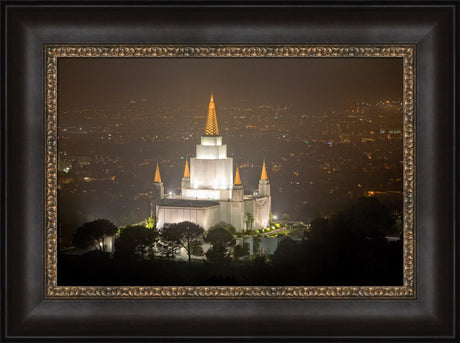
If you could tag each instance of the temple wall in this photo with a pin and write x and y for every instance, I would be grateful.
(260, 209)
(207, 194)
(262, 214)
(206, 217)
(237, 215)
(232, 212)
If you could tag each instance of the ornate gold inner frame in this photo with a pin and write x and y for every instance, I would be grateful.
(54, 52)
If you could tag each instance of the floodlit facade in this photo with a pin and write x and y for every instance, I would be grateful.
(209, 194)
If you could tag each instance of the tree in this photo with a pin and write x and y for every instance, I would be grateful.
(249, 221)
(241, 250)
(185, 234)
(222, 242)
(167, 249)
(255, 244)
(93, 234)
(229, 227)
(134, 240)
(196, 248)
(367, 217)
(125, 245)
(272, 217)
(150, 223)
(351, 246)
(286, 252)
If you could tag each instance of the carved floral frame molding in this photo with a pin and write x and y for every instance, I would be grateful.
(52, 53)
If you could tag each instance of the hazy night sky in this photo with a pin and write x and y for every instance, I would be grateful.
(311, 84)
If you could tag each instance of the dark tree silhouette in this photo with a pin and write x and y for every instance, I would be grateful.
(229, 227)
(367, 217)
(125, 246)
(93, 234)
(185, 234)
(351, 246)
(255, 244)
(222, 242)
(134, 240)
(167, 249)
(348, 249)
(287, 251)
(241, 250)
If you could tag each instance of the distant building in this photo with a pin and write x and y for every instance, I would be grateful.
(209, 194)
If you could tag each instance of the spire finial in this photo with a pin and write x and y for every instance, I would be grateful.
(264, 176)
(157, 174)
(186, 170)
(237, 177)
(211, 121)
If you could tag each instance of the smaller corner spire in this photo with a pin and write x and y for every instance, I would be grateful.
(237, 177)
(264, 175)
(157, 174)
(187, 169)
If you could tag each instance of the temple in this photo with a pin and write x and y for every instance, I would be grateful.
(209, 194)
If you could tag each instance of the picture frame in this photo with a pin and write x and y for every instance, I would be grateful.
(406, 56)
(31, 312)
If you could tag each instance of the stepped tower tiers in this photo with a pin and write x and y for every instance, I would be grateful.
(209, 194)
(158, 192)
(211, 171)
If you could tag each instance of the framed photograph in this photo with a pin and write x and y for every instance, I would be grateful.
(260, 168)
(207, 230)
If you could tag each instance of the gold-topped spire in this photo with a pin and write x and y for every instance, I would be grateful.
(211, 121)
(264, 176)
(186, 170)
(157, 174)
(237, 177)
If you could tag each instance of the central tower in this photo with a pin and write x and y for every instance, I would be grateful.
(209, 195)
(211, 171)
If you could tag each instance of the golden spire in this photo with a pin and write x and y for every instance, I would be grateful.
(237, 177)
(157, 175)
(211, 121)
(186, 170)
(264, 176)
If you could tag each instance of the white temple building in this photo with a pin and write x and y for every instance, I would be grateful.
(209, 193)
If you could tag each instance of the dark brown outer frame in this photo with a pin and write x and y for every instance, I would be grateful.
(27, 315)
